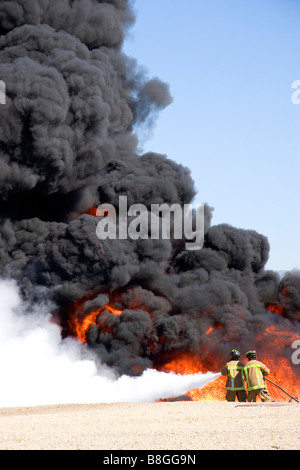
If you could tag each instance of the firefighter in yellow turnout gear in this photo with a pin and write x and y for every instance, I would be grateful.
(235, 385)
(255, 371)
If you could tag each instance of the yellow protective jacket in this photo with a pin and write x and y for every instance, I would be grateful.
(235, 375)
(255, 371)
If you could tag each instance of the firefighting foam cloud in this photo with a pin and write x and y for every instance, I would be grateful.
(69, 142)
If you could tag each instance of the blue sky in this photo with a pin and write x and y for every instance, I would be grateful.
(230, 65)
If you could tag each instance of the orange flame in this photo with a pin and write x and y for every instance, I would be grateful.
(277, 357)
(284, 291)
(80, 323)
(276, 308)
(189, 363)
(213, 391)
(92, 211)
(81, 326)
(273, 344)
(95, 212)
(278, 360)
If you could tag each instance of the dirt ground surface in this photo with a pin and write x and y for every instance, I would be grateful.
(152, 426)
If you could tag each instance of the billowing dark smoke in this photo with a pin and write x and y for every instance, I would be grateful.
(68, 142)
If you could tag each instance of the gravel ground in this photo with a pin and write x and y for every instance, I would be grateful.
(152, 426)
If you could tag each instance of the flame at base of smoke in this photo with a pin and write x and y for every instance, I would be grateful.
(38, 367)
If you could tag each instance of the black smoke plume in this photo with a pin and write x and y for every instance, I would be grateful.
(68, 142)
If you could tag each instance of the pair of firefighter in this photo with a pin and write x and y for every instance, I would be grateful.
(253, 373)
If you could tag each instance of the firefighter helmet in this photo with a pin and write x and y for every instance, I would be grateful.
(251, 354)
(235, 353)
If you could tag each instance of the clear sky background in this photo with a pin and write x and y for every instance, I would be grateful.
(230, 65)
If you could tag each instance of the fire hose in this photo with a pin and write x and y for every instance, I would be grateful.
(294, 398)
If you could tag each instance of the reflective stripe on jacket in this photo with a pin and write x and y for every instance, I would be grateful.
(254, 373)
(235, 375)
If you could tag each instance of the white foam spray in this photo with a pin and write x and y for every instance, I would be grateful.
(38, 367)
